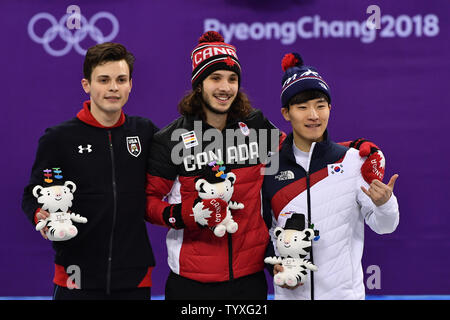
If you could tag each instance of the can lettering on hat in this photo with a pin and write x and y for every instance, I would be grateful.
(210, 51)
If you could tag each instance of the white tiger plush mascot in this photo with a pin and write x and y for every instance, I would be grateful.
(57, 199)
(220, 186)
(293, 245)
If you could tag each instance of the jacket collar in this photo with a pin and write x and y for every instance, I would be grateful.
(319, 148)
(86, 116)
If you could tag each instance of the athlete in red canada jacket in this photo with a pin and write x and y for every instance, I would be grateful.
(194, 252)
(112, 250)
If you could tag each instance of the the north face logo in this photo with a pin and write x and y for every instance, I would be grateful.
(285, 175)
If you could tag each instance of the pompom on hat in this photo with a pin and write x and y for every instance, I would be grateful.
(212, 54)
(298, 78)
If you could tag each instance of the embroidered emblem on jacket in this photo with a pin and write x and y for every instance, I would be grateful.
(189, 139)
(244, 129)
(134, 146)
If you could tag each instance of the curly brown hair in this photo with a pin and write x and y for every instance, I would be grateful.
(192, 104)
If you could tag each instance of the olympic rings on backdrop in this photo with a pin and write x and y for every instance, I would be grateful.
(58, 28)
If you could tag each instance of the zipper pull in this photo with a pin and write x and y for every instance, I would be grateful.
(110, 138)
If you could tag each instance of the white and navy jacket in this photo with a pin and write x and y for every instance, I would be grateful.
(329, 194)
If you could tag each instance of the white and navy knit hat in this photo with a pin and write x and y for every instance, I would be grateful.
(212, 54)
(298, 78)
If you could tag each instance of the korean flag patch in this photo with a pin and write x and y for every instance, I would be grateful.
(335, 169)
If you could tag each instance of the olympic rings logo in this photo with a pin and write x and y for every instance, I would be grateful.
(58, 28)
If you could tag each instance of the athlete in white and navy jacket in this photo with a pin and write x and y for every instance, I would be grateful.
(323, 180)
(327, 190)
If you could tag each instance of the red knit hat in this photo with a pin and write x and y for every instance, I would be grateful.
(212, 54)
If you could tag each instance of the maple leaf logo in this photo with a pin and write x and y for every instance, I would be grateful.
(201, 214)
(230, 62)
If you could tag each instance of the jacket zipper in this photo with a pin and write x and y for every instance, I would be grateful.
(308, 202)
(230, 256)
(308, 197)
(230, 239)
(108, 273)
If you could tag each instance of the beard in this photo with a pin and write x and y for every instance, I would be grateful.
(214, 110)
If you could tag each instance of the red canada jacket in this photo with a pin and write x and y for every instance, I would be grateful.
(178, 154)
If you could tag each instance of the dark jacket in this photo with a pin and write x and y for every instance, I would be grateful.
(112, 249)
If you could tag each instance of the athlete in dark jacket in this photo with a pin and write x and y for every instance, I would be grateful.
(108, 164)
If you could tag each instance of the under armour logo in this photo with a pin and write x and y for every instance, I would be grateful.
(81, 149)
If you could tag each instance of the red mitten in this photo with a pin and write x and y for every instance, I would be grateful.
(374, 166)
(210, 212)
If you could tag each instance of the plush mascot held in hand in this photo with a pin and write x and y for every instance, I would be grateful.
(212, 207)
(56, 198)
(293, 245)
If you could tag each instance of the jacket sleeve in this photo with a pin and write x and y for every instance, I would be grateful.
(46, 158)
(267, 124)
(161, 177)
(383, 219)
(269, 144)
